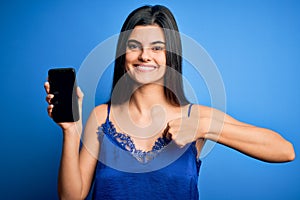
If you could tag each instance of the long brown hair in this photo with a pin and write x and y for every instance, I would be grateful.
(152, 15)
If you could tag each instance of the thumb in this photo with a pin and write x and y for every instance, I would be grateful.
(79, 94)
(80, 99)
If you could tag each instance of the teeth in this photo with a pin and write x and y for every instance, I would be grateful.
(145, 68)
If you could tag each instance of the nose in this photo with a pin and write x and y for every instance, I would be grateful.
(145, 55)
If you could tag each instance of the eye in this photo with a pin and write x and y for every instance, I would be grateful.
(133, 46)
(157, 48)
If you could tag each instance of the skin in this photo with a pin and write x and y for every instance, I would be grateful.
(145, 108)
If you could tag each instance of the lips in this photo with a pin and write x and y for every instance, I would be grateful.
(146, 68)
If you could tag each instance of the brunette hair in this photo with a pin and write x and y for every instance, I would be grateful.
(161, 16)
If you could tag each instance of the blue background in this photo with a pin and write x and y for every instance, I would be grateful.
(255, 45)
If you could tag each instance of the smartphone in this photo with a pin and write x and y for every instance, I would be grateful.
(63, 86)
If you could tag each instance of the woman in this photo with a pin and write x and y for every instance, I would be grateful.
(147, 114)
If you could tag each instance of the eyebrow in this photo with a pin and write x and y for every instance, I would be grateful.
(152, 43)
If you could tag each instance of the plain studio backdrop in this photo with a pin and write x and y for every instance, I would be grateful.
(254, 44)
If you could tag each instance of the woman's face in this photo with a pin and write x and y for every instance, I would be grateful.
(145, 59)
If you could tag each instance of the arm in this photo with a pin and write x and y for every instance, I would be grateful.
(77, 168)
(257, 142)
(69, 178)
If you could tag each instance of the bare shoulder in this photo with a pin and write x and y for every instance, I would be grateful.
(100, 113)
(97, 118)
(205, 110)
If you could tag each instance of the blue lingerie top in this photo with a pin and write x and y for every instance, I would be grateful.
(123, 172)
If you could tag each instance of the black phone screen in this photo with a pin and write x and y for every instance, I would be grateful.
(63, 86)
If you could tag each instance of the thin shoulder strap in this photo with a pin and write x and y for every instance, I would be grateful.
(189, 110)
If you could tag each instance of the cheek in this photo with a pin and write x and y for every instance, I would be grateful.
(162, 60)
(129, 59)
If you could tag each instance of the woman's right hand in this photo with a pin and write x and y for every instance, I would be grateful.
(66, 126)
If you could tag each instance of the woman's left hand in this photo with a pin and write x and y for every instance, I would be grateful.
(208, 123)
(187, 129)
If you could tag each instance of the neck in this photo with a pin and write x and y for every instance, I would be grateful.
(147, 96)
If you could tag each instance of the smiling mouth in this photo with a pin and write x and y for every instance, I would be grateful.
(145, 68)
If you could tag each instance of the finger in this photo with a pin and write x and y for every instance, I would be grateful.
(179, 141)
(180, 145)
(49, 97)
(47, 87)
(49, 110)
(79, 94)
(80, 99)
(176, 122)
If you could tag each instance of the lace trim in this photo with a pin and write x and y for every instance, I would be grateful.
(125, 142)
